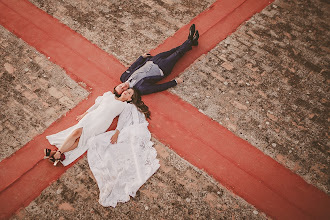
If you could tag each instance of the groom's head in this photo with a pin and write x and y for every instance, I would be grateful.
(119, 89)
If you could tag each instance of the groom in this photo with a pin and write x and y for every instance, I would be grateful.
(147, 70)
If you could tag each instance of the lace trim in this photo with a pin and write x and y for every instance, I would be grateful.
(121, 169)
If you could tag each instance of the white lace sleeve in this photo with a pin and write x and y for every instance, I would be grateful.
(98, 100)
(124, 117)
(130, 115)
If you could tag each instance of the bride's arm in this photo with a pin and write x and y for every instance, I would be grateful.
(79, 117)
(114, 137)
(98, 101)
(122, 120)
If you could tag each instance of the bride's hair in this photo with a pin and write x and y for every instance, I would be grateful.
(137, 101)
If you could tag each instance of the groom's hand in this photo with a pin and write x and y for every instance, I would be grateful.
(146, 55)
(178, 80)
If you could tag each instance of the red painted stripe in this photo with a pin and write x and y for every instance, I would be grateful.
(232, 161)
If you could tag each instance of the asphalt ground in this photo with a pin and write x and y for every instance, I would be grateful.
(267, 83)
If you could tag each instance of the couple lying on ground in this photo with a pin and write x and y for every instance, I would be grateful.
(121, 160)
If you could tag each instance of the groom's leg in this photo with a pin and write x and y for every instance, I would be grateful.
(166, 64)
(163, 55)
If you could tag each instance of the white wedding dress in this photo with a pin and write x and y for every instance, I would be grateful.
(96, 121)
(121, 169)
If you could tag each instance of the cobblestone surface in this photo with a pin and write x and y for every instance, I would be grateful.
(176, 191)
(125, 29)
(34, 93)
(269, 84)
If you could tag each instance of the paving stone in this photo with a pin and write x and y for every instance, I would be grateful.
(54, 92)
(9, 68)
(279, 93)
(67, 102)
(26, 107)
(279, 63)
(119, 32)
(125, 29)
(182, 192)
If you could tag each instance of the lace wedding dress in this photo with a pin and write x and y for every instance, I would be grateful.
(96, 121)
(121, 169)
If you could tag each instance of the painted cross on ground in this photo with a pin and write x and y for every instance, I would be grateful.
(230, 160)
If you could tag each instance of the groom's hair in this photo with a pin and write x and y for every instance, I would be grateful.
(115, 92)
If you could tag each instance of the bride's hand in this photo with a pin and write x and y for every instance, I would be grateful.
(79, 117)
(114, 137)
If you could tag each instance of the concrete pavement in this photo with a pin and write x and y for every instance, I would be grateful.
(228, 63)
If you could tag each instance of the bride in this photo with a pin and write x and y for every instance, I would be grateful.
(72, 142)
(124, 159)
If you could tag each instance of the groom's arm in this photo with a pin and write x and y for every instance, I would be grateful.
(153, 88)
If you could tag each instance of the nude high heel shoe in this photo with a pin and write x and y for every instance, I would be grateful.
(48, 153)
(55, 161)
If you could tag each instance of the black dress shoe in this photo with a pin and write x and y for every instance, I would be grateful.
(195, 39)
(191, 32)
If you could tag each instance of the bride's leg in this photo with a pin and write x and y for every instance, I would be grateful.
(74, 145)
(70, 143)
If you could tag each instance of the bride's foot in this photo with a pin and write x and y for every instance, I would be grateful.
(48, 153)
(57, 157)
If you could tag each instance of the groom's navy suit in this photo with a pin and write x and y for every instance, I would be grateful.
(165, 62)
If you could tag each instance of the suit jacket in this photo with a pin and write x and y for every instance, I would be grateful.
(148, 84)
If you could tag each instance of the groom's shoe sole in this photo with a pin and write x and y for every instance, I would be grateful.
(195, 39)
(191, 32)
